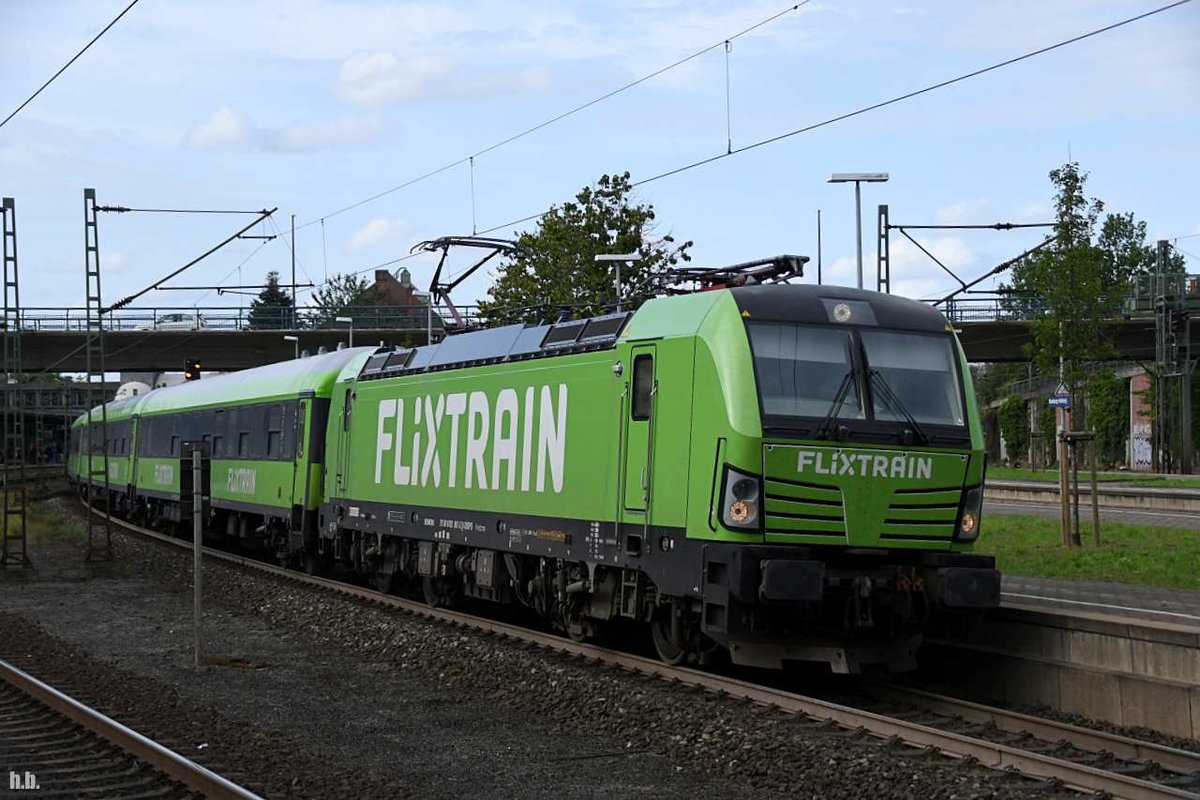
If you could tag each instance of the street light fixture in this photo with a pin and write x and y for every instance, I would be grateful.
(618, 259)
(296, 340)
(858, 178)
(350, 322)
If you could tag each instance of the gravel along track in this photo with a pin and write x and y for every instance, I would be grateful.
(52, 745)
(717, 745)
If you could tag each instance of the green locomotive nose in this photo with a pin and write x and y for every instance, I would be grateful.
(861, 497)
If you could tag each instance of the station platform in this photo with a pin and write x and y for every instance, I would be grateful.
(1178, 608)
(1161, 518)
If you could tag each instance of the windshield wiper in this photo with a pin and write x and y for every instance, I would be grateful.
(835, 408)
(889, 397)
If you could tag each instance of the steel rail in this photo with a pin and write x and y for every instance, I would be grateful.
(1123, 747)
(954, 745)
(187, 772)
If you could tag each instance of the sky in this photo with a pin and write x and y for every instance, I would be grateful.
(312, 106)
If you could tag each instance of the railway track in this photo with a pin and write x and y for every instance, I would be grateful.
(1077, 758)
(53, 745)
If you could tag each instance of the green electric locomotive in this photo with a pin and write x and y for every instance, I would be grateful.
(780, 472)
(787, 472)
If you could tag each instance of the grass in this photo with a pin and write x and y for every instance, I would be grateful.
(1132, 478)
(1166, 557)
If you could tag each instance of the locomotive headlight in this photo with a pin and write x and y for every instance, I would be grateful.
(968, 519)
(739, 500)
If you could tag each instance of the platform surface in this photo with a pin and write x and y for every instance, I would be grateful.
(1178, 607)
(1188, 520)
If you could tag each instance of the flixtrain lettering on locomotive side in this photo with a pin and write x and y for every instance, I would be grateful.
(768, 473)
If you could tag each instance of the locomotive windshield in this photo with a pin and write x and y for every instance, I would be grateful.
(880, 379)
(920, 370)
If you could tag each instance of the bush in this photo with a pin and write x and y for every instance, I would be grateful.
(1013, 417)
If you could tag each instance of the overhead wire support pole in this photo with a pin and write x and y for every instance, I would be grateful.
(95, 436)
(12, 417)
(883, 253)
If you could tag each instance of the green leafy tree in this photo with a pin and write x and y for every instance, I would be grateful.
(1013, 418)
(273, 306)
(1122, 242)
(991, 380)
(343, 296)
(1108, 414)
(1072, 278)
(555, 265)
(1083, 277)
(1047, 441)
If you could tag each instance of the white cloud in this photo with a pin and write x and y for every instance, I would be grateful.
(379, 231)
(227, 128)
(374, 79)
(224, 128)
(913, 273)
(307, 138)
(968, 212)
(1039, 211)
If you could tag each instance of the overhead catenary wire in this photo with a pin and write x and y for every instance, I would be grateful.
(64, 67)
(723, 42)
(876, 106)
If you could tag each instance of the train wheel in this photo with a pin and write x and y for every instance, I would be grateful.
(668, 649)
(385, 573)
(439, 592)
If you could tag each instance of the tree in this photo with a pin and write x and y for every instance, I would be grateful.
(991, 380)
(1122, 242)
(272, 308)
(1013, 418)
(1108, 413)
(341, 296)
(555, 265)
(1070, 277)
(1083, 277)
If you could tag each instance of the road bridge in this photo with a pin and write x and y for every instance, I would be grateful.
(227, 339)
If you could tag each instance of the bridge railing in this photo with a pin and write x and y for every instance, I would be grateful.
(224, 318)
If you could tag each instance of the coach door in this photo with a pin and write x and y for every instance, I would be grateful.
(639, 427)
(341, 476)
(300, 456)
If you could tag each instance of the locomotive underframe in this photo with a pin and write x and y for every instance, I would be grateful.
(765, 604)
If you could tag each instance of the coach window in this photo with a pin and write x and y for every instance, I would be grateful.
(643, 385)
(174, 445)
(243, 449)
(274, 432)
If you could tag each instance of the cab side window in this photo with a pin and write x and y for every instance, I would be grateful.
(643, 386)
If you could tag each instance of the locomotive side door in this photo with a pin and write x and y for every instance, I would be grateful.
(341, 476)
(639, 432)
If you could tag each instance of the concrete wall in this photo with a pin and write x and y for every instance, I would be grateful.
(1124, 672)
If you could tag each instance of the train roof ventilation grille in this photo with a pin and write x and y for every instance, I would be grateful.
(603, 327)
(563, 334)
(399, 360)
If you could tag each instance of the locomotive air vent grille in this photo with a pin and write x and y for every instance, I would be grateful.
(803, 509)
(922, 514)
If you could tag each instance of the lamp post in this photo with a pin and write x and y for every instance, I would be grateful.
(617, 259)
(295, 340)
(349, 321)
(858, 178)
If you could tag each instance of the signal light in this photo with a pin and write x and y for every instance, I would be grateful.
(191, 370)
